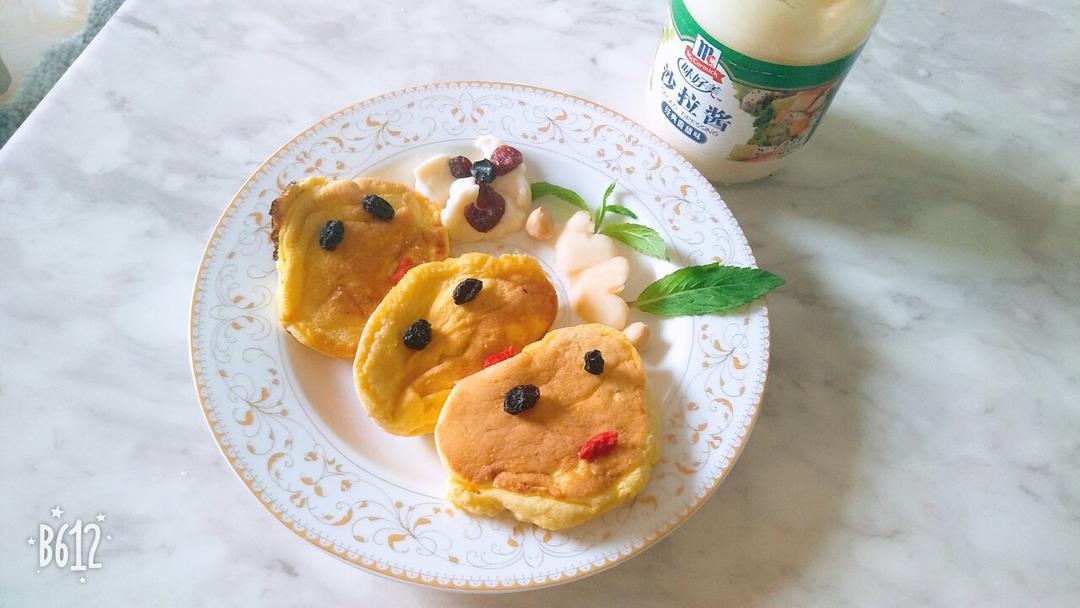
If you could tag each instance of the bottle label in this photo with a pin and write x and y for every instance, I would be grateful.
(734, 106)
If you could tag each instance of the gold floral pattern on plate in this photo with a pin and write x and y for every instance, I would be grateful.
(265, 428)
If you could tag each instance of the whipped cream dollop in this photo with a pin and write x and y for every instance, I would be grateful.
(435, 181)
(433, 178)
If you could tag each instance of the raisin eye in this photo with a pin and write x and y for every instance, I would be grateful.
(520, 398)
(594, 362)
(331, 234)
(378, 207)
(467, 290)
(418, 336)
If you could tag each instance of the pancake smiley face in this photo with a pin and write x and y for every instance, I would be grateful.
(441, 323)
(558, 434)
(340, 246)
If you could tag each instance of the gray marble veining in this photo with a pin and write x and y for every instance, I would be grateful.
(918, 443)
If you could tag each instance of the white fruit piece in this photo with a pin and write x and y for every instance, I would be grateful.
(638, 333)
(539, 225)
(594, 293)
(433, 179)
(597, 274)
(578, 248)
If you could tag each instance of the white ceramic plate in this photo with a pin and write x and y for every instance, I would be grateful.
(289, 420)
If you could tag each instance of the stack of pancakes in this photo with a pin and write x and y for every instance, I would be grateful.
(389, 277)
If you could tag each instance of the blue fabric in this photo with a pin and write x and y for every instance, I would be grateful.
(56, 60)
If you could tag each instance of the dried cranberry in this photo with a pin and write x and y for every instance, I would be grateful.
(399, 273)
(488, 209)
(594, 362)
(502, 355)
(600, 444)
(505, 158)
(460, 167)
(483, 171)
(520, 398)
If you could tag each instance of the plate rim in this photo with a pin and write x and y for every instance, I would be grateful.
(236, 468)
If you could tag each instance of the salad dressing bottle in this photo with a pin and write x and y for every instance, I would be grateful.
(738, 86)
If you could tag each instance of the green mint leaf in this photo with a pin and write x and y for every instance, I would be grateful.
(607, 193)
(598, 218)
(700, 290)
(621, 211)
(542, 189)
(639, 238)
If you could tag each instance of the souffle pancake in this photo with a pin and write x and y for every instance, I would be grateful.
(558, 434)
(444, 321)
(340, 246)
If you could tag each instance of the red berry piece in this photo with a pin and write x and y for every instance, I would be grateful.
(485, 213)
(598, 446)
(505, 158)
(402, 267)
(502, 355)
(460, 167)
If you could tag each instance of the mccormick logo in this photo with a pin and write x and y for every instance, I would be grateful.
(705, 57)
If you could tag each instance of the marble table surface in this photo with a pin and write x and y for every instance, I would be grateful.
(919, 438)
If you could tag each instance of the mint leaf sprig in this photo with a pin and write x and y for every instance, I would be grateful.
(638, 237)
(598, 217)
(691, 291)
(622, 211)
(706, 289)
(542, 189)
